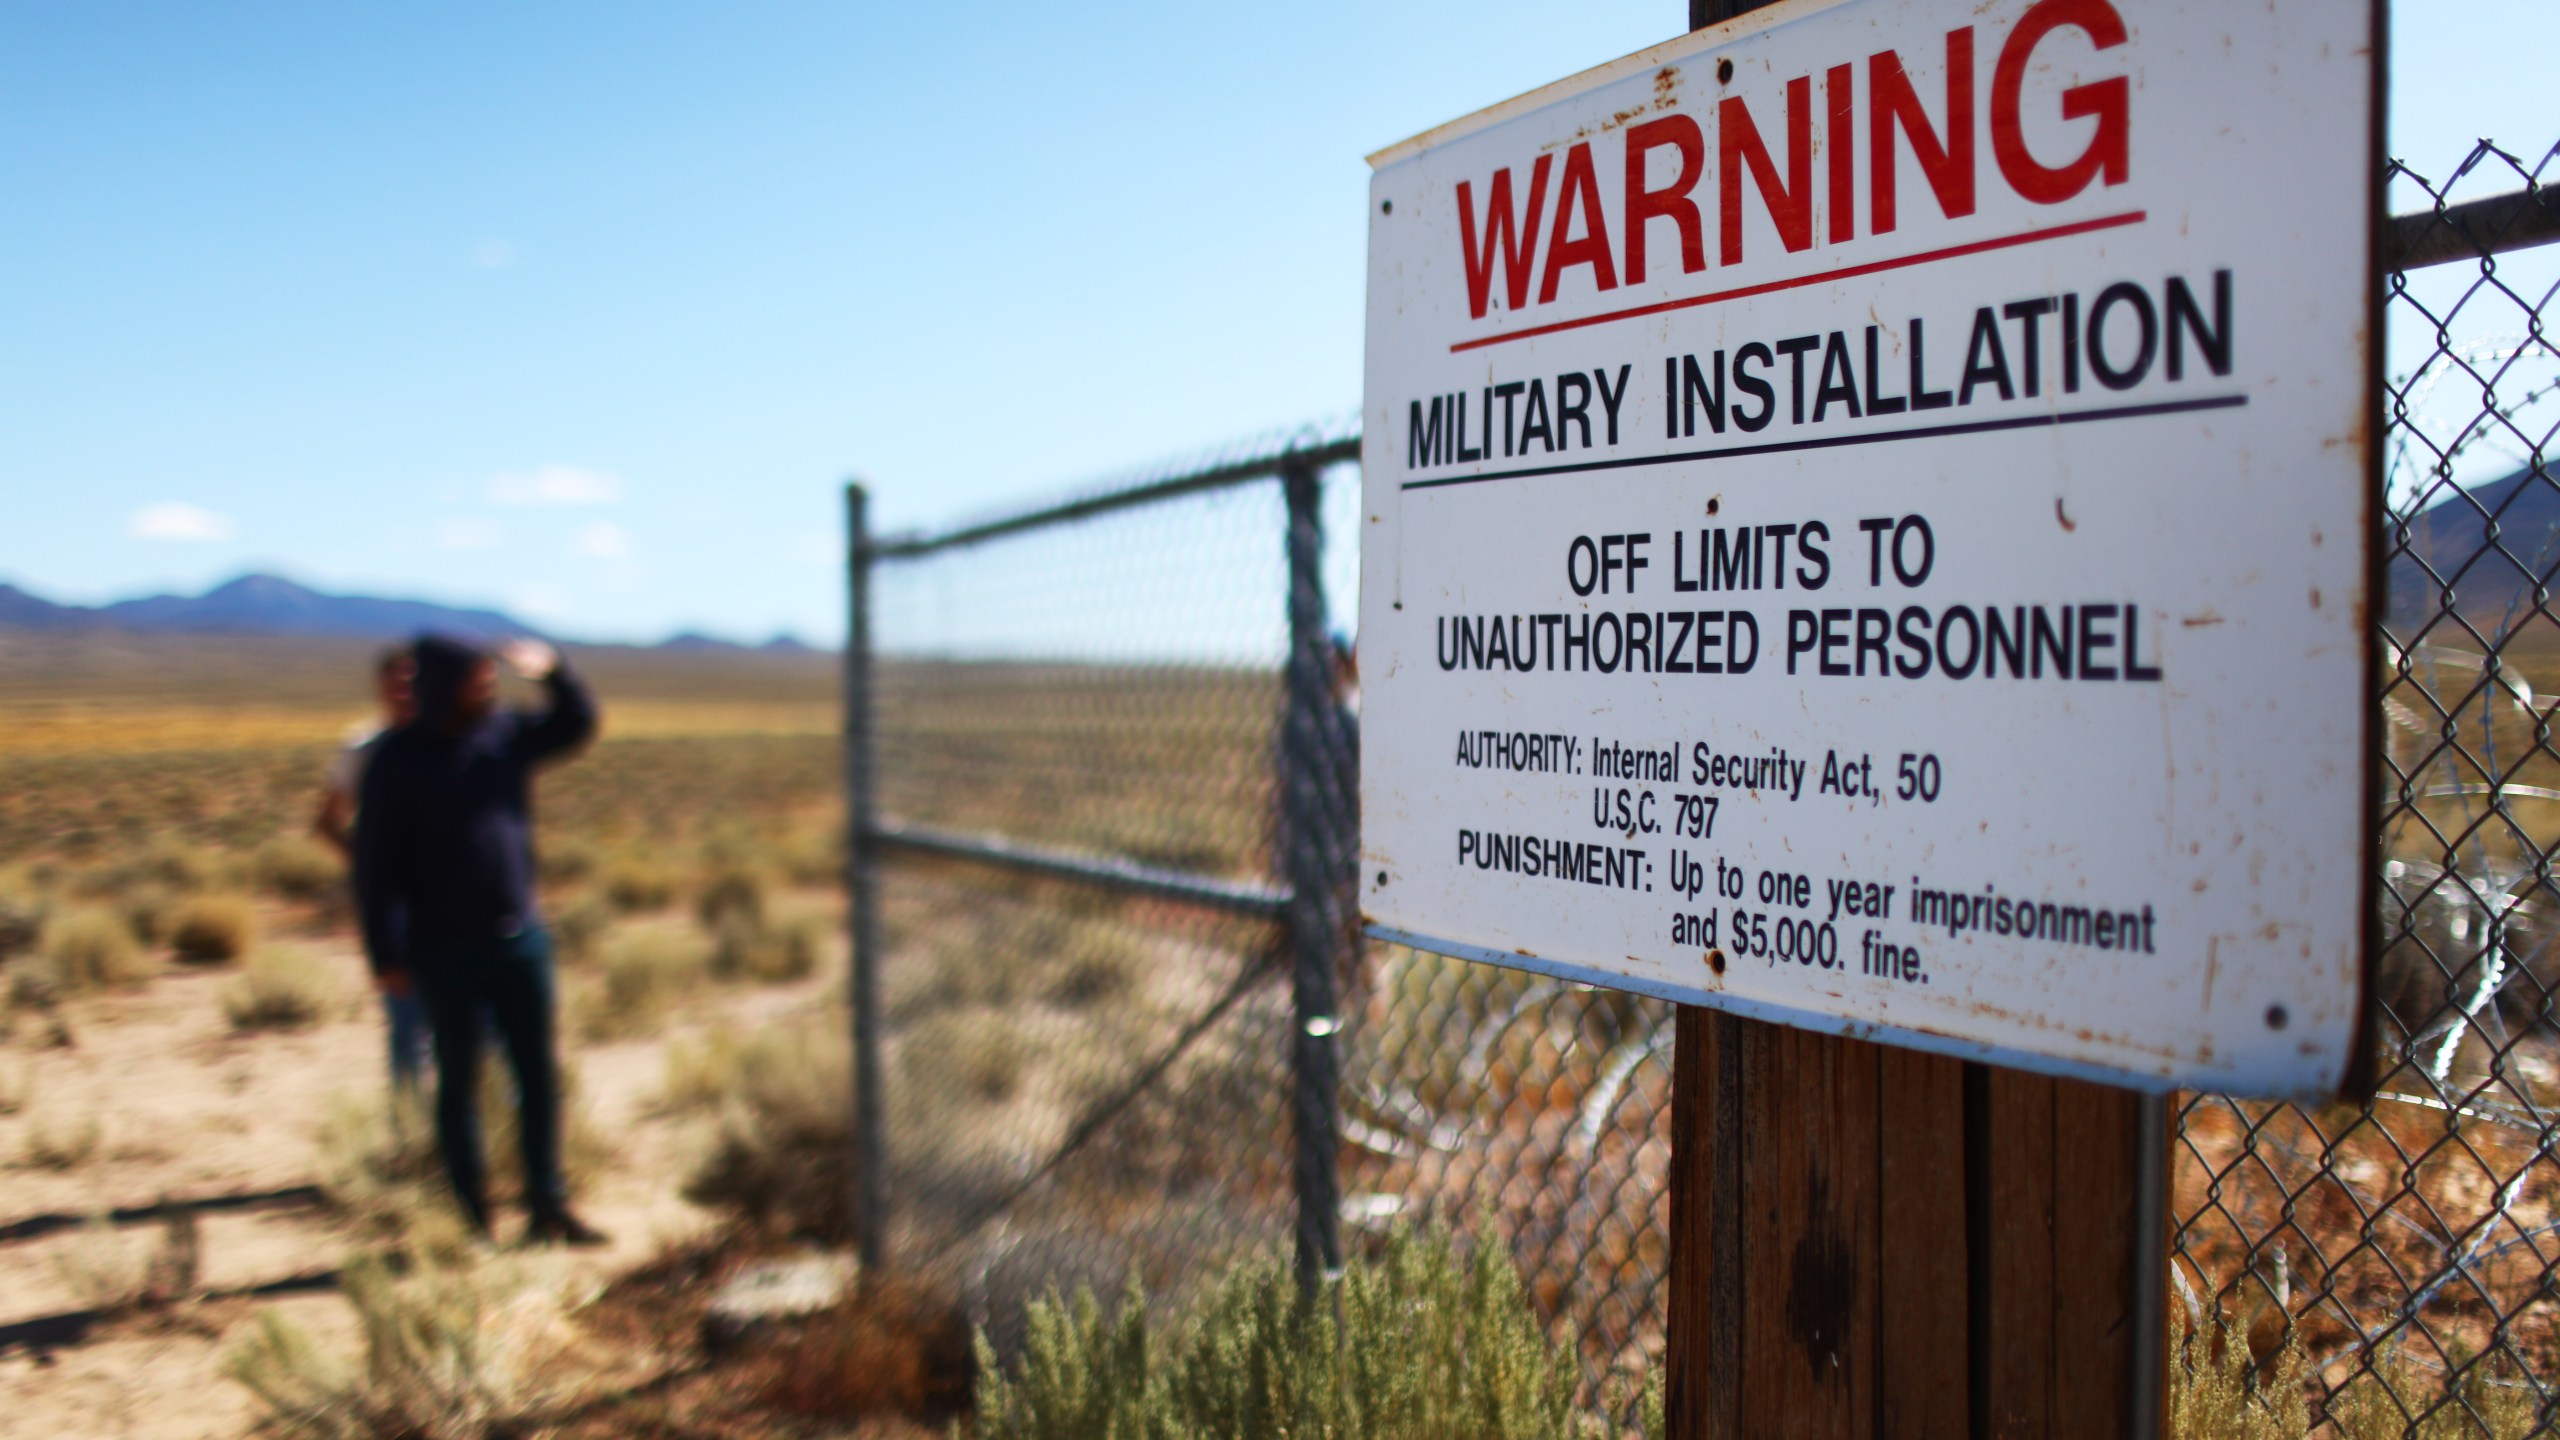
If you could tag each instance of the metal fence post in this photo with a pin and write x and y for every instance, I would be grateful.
(870, 1146)
(1311, 829)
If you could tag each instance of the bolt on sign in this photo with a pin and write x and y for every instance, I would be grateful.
(1870, 518)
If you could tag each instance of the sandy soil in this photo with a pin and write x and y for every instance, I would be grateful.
(184, 1108)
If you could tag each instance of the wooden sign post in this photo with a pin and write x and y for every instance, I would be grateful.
(1872, 1241)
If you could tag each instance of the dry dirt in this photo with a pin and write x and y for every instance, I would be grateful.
(186, 1108)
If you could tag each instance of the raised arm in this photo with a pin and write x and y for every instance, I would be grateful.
(569, 721)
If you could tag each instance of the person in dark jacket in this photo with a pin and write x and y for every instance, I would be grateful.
(444, 873)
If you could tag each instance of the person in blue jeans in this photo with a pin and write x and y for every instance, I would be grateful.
(445, 876)
(406, 1016)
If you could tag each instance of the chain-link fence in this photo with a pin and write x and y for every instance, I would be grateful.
(1115, 1000)
(2404, 1249)
(1119, 989)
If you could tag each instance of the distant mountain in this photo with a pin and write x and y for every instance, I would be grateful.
(259, 605)
(696, 642)
(22, 611)
(272, 605)
(2488, 583)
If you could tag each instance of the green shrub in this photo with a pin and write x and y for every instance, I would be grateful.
(213, 929)
(298, 867)
(1421, 1343)
(279, 989)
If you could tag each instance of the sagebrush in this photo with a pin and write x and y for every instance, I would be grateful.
(1425, 1342)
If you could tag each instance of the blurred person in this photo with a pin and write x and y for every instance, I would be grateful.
(335, 824)
(444, 865)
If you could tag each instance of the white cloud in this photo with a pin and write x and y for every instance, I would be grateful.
(463, 533)
(538, 601)
(555, 485)
(602, 540)
(493, 254)
(178, 520)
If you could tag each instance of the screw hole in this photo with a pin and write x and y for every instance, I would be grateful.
(1712, 504)
(1382, 877)
(1715, 961)
(1386, 207)
(2276, 1017)
(1724, 72)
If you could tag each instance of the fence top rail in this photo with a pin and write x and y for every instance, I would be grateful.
(1253, 461)
(2473, 229)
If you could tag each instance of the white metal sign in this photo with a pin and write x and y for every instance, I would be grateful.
(1868, 525)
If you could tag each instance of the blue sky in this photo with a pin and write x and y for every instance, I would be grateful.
(584, 308)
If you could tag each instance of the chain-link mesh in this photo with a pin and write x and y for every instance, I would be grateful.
(1088, 1083)
(2402, 1253)
(1084, 1085)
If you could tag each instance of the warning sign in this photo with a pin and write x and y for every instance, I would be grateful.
(1869, 515)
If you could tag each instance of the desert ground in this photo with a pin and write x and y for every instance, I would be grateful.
(185, 1017)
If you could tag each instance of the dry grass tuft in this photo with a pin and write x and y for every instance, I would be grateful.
(565, 861)
(783, 1159)
(298, 867)
(102, 1269)
(982, 1056)
(644, 973)
(376, 1161)
(146, 909)
(169, 860)
(700, 1073)
(279, 989)
(732, 895)
(776, 949)
(579, 925)
(2217, 1391)
(454, 1351)
(84, 949)
(213, 929)
(54, 1142)
(22, 916)
(638, 883)
(17, 1085)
